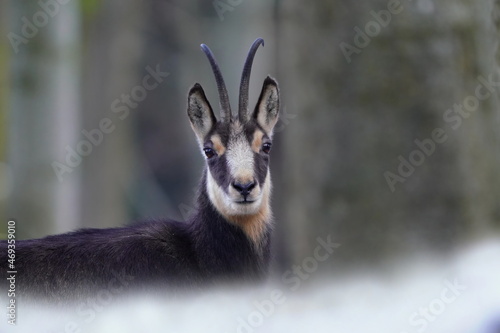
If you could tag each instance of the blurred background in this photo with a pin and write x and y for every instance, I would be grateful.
(388, 142)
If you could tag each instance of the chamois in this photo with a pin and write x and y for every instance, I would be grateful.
(227, 238)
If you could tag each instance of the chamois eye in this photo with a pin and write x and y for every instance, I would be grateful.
(266, 147)
(209, 152)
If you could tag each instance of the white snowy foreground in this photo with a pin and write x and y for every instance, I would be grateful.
(458, 295)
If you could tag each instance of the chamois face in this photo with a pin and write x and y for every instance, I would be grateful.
(237, 153)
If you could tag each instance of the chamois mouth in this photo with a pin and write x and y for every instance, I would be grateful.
(245, 202)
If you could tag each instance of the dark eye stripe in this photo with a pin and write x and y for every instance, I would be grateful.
(219, 170)
(261, 163)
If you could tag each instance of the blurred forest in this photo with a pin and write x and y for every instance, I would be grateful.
(388, 141)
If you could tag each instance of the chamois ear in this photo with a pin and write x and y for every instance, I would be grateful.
(267, 109)
(200, 112)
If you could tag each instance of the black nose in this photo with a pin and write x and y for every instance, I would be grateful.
(244, 189)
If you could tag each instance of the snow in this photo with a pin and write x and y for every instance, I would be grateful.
(460, 294)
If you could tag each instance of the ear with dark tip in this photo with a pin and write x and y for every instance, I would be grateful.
(200, 112)
(267, 108)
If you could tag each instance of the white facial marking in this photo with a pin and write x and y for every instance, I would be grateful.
(239, 156)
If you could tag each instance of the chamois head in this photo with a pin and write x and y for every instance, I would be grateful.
(236, 147)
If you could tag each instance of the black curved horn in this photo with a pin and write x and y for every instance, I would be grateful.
(221, 86)
(245, 80)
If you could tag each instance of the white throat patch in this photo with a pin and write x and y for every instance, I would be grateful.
(253, 219)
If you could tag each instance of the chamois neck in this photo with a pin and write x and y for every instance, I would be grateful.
(223, 248)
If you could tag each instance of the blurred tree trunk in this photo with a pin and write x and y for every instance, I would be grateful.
(44, 116)
(113, 49)
(4, 101)
(360, 109)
